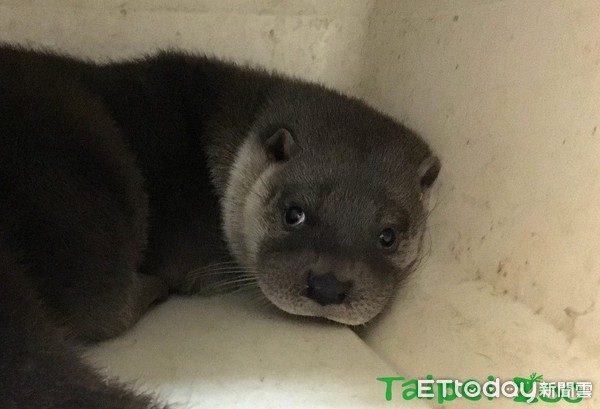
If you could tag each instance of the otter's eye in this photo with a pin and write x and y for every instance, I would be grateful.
(387, 239)
(294, 216)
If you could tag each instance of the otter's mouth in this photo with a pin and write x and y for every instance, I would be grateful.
(325, 297)
(343, 314)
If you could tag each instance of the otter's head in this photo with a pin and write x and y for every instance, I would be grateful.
(325, 202)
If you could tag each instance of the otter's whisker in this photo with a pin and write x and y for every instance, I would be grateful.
(230, 273)
(209, 266)
(220, 270)
(230, 284)
(234, 281)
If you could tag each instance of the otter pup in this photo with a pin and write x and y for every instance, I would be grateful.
(122, 182)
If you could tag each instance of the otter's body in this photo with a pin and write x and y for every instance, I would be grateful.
(120, 183)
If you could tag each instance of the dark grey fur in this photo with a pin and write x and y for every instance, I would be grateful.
(115, 181)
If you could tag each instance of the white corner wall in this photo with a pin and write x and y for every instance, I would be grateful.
(508, 93)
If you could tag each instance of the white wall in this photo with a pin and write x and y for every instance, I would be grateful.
(508, 93)
(311, 38)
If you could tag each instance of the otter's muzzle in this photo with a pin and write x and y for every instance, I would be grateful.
(326, 289)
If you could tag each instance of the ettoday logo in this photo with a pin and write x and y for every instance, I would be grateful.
(525, 390)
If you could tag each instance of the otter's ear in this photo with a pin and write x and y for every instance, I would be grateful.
(281, 146)
(428, 171)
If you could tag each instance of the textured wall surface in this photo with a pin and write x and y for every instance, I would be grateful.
(321, 40)
(508, 93)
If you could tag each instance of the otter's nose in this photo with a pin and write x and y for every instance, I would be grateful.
(326, 288)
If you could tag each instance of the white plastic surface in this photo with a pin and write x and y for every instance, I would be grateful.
(227, 352)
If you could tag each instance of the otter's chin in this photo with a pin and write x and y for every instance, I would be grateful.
(355, 313)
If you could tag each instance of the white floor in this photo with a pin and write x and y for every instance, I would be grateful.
(227, 352)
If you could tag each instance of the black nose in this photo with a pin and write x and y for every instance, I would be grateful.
(326, 288)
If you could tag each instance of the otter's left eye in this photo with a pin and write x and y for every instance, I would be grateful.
(388, 240)
(294, 216)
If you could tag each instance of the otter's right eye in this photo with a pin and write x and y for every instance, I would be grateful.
(294, 216)
(388, 240)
